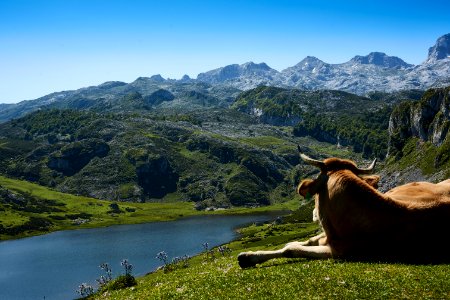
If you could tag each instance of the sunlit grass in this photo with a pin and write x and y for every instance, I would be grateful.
(222, 278)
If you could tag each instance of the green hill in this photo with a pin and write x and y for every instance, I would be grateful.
(215, 158)
(30, 209)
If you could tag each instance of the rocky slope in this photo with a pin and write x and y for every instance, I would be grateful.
(427, 120)
(336, 117)
(240, 76)
(419, 140)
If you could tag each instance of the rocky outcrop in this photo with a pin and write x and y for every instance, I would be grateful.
(157, 78)
(157, 177)
(158, 97)
(245, 76)
(381, 59)
(441, 50)
(73, 157)
(427, 119)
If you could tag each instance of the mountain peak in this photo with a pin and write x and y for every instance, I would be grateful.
(257, 72)
(157, 78)
(441, 50)
(380, 59)
(251, 66)
(185, 78)
(310, 60)
(309, 63)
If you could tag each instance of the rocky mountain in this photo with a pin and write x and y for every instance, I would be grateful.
(441, 50)
(218, 88)
(362, 74)
(380, 59)
(240, 76)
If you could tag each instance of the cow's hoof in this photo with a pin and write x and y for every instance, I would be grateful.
(245, 260)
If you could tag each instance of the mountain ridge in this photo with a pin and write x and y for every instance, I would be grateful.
(360, 75)
(376, 71)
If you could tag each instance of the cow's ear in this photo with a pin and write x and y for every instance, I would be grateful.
(371, 180)
(307, 188)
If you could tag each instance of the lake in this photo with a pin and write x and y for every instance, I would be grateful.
(52, 266)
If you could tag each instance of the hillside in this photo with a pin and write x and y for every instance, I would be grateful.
(215, 158)
(29, 209)
(418, 135)
(335, 117)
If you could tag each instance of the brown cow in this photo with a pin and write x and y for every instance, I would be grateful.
(407, 223)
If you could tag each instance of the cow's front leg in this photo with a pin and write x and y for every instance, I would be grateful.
(318, 240)
(291, 250)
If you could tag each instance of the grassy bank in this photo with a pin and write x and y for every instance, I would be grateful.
(222, 278)
(294, 279)
(31, 209)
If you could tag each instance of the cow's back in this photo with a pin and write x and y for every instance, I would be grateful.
(421, 194)
(409, 223)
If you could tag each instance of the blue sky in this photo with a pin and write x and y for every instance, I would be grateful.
(48, 46)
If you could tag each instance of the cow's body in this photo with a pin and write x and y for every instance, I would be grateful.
(408, 222)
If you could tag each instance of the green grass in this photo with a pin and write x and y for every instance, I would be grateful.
(100, 211)
(293, 279)
(222, 278)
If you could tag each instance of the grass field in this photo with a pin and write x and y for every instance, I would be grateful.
(294, 279)
(222, 278)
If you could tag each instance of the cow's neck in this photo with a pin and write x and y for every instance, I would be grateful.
(337, 208)
(323, 210)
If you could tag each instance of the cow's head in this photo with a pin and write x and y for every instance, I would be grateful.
(309, 187)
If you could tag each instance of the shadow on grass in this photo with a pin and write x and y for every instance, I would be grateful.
(394, 261)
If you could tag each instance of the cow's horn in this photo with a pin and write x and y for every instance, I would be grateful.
(313, 162)
(369, 170)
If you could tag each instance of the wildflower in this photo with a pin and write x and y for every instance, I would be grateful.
(223, 250)
(162, 256)
(127, 266)
(85, 290)
(205, 246)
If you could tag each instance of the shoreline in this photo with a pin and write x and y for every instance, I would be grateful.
(281, 208)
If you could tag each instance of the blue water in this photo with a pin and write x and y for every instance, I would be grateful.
(52, 266)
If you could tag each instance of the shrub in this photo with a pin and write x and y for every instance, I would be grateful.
(122, 282)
